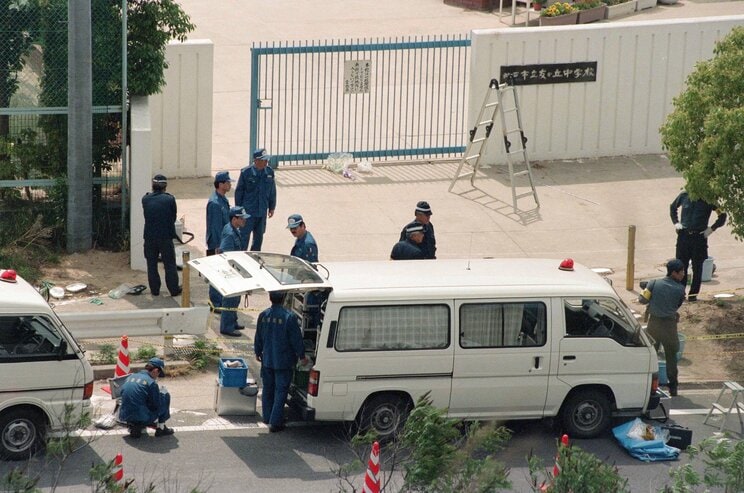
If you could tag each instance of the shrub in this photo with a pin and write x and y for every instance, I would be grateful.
(587, 4)
(560, 8)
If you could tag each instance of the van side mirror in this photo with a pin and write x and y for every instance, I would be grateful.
(62, 350)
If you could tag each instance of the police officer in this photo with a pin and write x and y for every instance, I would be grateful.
(143, 402)
(410, 248)
(692, 236)
(423, 217)
(160, 230)
(305, 246)
(278, 346)
(664, 297)
(232, 241)
(256, 192)
(218, 214)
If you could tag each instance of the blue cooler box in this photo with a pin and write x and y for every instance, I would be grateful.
(233, 377)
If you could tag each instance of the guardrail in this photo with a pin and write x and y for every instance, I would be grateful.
(137, 323)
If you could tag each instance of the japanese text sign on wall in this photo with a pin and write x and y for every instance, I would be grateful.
(548, 73)
(356, 76)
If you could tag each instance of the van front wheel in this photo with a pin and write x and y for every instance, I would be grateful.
(21, 434)
(385, 414)
(586, 414)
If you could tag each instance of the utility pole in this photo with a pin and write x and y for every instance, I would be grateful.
(79, 127)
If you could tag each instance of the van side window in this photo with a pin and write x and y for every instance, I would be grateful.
(602, 317)
(27, 338)
(502, 324)
(385, 328)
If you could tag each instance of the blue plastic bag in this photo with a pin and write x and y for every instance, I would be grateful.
(645, 450)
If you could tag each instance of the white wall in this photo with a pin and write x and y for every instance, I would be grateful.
(641, 67)
(182, 113)
(140, 165)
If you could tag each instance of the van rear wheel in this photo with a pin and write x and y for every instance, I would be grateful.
(21, 434)
(586, 414)
(385, 414)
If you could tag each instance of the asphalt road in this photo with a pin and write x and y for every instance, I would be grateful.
(238, 454)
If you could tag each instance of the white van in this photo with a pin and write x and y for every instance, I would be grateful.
(45, 379)
(488, 339)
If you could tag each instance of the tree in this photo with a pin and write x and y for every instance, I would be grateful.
(703, 135)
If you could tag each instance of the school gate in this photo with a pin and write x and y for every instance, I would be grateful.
(379, 100)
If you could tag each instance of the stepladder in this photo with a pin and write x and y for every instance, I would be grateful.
(726, 407)
(501, 99)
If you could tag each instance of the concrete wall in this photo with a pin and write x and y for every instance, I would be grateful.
(140, 162)
(182, 113)
(641, 67)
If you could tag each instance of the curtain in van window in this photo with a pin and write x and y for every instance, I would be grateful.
(374, 328)
(502, 324)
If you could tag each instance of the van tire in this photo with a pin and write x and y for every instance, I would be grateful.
(586, 413)
(385, 414)
(21, 433)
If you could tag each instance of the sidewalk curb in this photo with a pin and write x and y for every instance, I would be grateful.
(102, 372)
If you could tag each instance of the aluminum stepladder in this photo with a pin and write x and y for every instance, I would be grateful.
(511, 126)
(737, 403)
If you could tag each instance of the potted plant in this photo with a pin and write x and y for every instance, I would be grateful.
(590, 10)
(619, 8)
(559, 14)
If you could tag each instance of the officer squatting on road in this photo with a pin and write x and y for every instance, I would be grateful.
(218, 214)
(232, 241)
(692, 236)
(144, 403)
(664, 296)
(278, 346)
(410, 248)
(305, 246)
(160, 212)
(256, 193)
(423, 216)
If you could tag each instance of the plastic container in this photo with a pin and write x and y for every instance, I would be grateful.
(233, 377)
(231, 401)
(707, 274)
(663, 379)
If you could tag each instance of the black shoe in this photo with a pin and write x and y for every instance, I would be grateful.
(135, 432)
(239, 327)
(155, 293)
(177, 291)
(276, 429)
(691, 297)
(673, 391)
(164, 432)
(231, 334)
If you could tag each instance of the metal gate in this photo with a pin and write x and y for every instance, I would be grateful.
(380, 100)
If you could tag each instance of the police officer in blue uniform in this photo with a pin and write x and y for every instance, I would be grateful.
(232, 241)
(256, 192)
(423, 217)
(410, 248)
(160, 230)
(143, 402)
(278, 346)
(218, 214)
(692, 236)
(305, 246)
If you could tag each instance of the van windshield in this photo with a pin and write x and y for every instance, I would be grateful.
(602, 317)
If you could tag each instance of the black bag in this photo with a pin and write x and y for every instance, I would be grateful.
(679, 436)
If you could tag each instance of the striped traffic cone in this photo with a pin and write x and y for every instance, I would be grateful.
(117, 472)
(122, 365)
(372, 478)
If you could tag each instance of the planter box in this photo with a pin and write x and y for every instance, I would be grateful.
(621, 9)
(593, 15)
(645, 4)
(561, 20)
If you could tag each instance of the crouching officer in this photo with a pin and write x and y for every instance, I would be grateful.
(144, 403)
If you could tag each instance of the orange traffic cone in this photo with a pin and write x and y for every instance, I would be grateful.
(372, 478)
(122, 365)
(117, 472)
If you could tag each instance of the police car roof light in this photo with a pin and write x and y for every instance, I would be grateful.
(8, 275)
(567, 264)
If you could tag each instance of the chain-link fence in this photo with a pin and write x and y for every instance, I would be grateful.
(33, 116)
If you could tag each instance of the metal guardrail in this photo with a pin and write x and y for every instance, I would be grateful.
(137, 323)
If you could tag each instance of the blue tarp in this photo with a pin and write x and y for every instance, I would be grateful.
(645, 450)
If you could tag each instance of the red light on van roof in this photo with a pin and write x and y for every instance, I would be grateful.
(567, 264)
(8, 275)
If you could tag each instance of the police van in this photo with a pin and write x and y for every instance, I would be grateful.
(45, 381)
(487, 339)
